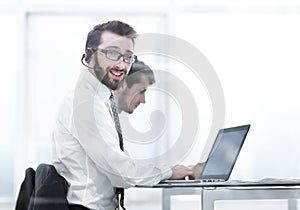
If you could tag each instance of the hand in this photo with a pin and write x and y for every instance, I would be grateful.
(197, 169)
(180, 172)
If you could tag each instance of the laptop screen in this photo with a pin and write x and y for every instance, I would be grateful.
(224, 153)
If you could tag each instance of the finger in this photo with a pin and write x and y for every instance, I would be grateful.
(190, 172)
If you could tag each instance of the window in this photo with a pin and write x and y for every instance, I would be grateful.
(8, 106)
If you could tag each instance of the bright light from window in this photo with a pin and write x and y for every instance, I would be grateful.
(7, 102)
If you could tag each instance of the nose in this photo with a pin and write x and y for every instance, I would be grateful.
(120, 64)
(142, 98)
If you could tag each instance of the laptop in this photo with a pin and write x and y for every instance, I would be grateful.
(222, 157)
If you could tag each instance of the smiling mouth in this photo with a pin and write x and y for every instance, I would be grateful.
(116, 73)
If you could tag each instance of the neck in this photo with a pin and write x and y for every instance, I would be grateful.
(119, 110)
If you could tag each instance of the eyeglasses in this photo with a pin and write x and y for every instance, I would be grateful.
(115, 56)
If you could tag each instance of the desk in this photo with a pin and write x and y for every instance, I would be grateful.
(247, 191)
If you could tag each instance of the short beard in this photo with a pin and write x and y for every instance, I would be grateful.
(104, 79)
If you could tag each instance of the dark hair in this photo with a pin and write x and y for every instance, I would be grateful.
(139, 70)
(94, 36)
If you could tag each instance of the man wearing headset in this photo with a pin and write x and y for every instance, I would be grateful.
(87, 139)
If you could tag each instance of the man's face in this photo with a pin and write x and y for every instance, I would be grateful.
(131, 98)
(112, 73)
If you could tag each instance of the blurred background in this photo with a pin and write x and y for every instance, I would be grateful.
(253, 46)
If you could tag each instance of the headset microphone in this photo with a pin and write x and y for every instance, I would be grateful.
(83, 56)
(96, 68)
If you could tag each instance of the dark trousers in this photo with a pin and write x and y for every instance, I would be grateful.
(77, 207)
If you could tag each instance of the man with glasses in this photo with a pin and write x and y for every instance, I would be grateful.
(87, 138)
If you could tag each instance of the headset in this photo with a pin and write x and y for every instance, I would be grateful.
(83, 56)
(97, 66)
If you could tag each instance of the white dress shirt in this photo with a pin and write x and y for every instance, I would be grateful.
(86, 149)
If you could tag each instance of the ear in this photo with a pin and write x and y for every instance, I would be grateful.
(89, 52)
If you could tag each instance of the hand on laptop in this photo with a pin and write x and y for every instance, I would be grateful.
(180, 172)
(196, 170)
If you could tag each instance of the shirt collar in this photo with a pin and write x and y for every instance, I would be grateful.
(102, 90)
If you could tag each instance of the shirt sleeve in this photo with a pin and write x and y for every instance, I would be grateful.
(167, 174)
(94, 128)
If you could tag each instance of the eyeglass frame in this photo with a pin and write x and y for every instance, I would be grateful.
(104, 51)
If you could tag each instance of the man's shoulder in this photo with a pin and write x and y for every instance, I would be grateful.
(90, 89)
